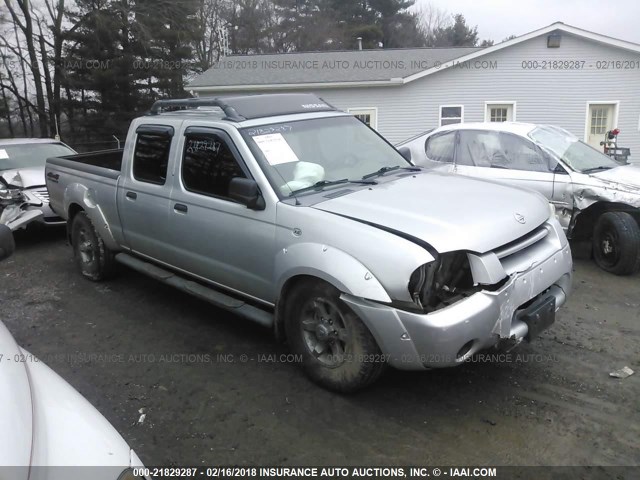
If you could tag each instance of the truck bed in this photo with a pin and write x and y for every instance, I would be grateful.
(110, 159)
(97, 172)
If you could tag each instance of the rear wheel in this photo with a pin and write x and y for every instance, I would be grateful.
(95, 260)
(338, 352)
(616, 243)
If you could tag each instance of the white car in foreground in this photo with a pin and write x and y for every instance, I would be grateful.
(48, 430)
(596, 198)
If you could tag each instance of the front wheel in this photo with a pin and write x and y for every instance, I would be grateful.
(95, 260)
(338, 352)
(616, 243)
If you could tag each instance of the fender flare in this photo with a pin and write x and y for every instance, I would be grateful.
(330, 264)
(80, 195)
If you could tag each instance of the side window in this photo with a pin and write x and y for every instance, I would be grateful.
(208, 165)
(479, 149)
(492, 149)
(440, 148)
(151, 155)
(521, 154)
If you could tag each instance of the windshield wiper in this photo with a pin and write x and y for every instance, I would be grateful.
(384, 170)
(596, 169)
(326, 183)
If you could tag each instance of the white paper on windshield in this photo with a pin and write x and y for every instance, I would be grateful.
(3, 155)
(275, 149)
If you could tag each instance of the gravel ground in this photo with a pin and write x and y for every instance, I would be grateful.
(133, 343)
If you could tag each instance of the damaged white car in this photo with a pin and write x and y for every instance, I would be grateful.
(50, 431)
(596, 197)
(23, 194)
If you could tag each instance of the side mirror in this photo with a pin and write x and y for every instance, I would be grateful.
(405, 152)
(246, 192)
(7, 244)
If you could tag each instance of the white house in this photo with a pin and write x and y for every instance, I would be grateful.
(583, 81)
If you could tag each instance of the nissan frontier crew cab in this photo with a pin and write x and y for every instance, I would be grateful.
(300, 217)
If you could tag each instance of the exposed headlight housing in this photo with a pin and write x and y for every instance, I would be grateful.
(442, 282)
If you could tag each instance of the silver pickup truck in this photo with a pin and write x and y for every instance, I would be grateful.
(300, 217)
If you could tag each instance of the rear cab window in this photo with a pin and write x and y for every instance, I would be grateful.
(151, 153)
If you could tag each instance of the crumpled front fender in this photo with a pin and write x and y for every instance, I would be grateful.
(330, 264)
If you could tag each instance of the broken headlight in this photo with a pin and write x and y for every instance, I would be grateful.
(442, 282)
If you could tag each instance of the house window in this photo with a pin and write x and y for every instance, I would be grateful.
(599, 120)
(451, 114)
(500, 112)
(498, 115)
(368, 116)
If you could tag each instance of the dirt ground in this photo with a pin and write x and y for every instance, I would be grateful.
(132, 343)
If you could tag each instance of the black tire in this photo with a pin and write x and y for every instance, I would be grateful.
(347, 357)
(95, 261)
(616, 243)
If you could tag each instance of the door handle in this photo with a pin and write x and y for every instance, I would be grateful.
(53, 176)
(132, 195)
(179, 207)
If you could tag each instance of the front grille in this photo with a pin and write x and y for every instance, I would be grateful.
(523, 242)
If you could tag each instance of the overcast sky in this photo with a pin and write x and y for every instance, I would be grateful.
(497, 19)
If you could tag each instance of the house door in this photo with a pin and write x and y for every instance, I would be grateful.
(600, 121)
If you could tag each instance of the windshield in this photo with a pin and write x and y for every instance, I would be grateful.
(30, 154)
(297, 155)
(576, 154)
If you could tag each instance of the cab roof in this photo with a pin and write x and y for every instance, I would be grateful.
(244, 107)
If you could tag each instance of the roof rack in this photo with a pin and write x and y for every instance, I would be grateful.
(186, 103)
(246, 107)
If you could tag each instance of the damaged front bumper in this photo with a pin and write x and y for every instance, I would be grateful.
(448, 337)
(16, 211)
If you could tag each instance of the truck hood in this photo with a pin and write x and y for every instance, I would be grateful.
(448, 212)
(24, 177)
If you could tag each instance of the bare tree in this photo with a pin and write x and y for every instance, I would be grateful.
(432, 19)
(213, 34)
(22, 17)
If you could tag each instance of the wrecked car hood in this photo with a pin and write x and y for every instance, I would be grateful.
(620, 184)
(24, 177)
(15, 404)
(626, 176)
(449, 212)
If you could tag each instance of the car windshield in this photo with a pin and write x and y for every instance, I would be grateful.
(30, 154)
(576, 154)
(300, 154)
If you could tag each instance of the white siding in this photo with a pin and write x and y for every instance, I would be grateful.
(543, 96)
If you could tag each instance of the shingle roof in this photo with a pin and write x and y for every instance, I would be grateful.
(326, 67)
